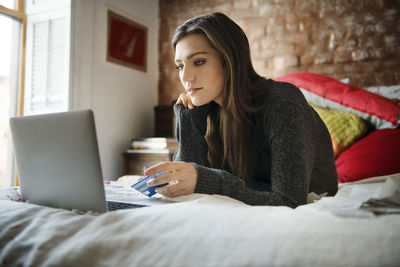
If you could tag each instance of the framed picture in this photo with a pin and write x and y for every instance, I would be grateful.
(126, 41)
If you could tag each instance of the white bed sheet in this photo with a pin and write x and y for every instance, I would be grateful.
(201, 230)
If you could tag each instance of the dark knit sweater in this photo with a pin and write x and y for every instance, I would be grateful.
(293, 152)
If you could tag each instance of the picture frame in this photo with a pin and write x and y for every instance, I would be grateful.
(126, 41)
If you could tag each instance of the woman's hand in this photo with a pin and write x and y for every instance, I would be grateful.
(181, 176)
(185, 100)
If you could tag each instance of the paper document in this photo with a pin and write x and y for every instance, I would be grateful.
(364, 199)
(388, 200)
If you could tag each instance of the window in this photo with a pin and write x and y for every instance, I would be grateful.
(13, 22)
(38, 82)
(10, 4)
(48, 56)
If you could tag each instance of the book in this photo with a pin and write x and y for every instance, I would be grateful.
(154, 143)
(149, 151)
(172, 143)
(149, 143)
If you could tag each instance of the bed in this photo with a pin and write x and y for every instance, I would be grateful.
(356, 227)
(205, 230)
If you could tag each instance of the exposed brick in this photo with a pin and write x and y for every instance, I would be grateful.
(396, 77)
(323, 58)
(242, 4)
(359, 40)
(259, 64)
(276, 25)
(342, 57)
(381, 77)
(281, 62)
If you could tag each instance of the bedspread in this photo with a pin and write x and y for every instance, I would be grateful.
(201, 230)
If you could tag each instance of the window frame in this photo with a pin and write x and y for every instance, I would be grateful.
(47, 15)
(20, 15)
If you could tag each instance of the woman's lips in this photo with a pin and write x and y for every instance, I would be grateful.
(192, 91)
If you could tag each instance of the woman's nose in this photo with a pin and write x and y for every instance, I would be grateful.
(187, 75)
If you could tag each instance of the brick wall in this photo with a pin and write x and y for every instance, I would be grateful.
(358, 39)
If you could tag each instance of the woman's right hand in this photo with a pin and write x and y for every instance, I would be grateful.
(185, 100)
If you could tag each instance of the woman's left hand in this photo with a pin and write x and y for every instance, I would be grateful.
(181, 176)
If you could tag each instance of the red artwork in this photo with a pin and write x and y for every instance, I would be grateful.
(126, 42)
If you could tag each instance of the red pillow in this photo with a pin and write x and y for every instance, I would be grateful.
(374, 155)
(322, 91)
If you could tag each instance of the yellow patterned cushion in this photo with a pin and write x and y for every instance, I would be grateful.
(345, 128)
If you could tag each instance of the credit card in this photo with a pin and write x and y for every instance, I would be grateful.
(142, 187)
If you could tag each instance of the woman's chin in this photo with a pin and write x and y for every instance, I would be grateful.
(198, 102)
(195, 102)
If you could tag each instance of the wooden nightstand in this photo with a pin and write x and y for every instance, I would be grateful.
(135, 163)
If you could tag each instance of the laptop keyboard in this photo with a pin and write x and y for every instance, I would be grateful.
(113, 205)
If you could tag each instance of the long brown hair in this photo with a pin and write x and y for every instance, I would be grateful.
(229, 126)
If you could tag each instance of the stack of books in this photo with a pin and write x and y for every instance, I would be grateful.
(156, 145)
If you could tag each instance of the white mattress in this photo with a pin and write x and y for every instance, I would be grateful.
(201, 230)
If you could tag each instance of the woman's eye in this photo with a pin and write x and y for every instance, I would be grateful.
(199, 62)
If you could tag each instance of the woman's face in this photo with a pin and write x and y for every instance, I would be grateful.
(200, 69)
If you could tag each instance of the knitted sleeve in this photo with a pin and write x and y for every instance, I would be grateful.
(289, 132)
(191, 126)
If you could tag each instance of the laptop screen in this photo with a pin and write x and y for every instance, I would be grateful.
(58, 160)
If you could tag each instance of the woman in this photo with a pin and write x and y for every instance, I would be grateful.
(239, 134)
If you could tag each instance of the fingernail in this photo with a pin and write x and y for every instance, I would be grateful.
(150, 182)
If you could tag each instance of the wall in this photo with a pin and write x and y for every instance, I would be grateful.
(122, 98)
(340, 38)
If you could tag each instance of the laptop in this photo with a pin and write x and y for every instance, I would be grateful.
(58, 163)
